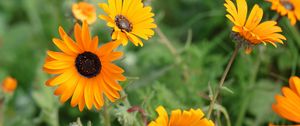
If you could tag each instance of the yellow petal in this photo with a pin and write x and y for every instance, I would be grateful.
(63, 47)
(78, 93)
(242, 11)
(61, 78)
(60, 56)
(69, 91)
(88, 96)
(294, 82)
(254, 17)
(86, 37)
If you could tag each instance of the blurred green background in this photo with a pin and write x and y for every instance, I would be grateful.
(199, 35)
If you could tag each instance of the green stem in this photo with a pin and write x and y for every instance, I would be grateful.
(164, 40)
(221, 83)
(178, 60)
(106, 115)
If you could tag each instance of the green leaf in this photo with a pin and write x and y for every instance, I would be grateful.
(224, 88)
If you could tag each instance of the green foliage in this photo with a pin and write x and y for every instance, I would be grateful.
(154, 75)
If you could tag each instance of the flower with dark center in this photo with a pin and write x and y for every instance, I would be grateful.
(129, 19)
(289, 8)
(84, 72)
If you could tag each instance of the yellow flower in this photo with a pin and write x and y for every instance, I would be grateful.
(129, 19)
(287, 105)
(84, 11)
(179, 118)
(83, 70)
(251, 31)
(9, 85)
(291, 8)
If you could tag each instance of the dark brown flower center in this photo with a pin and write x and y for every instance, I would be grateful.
(123, 23)
(287, 4)
(88, 64)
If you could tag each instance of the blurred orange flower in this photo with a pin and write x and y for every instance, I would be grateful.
(129, 19)
(84, 71)
(9, 85)
(84, 11)
(291, 8)
(287, 105)
(251, 31)
(181, 118)
(271, 124)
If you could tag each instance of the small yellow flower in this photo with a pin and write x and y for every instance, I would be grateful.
(287, 105)
(181, 118)
(9, 85)
(291, 8)
(251, 31)
(84, 71)
(129, 19)
(84, 11)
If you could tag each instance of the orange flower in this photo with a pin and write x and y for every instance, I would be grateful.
(291, 8)
(251, 31)
(84, 71)
(181, 118)
(9, 85)
(287, 105)
(84, 11)
(271, 124)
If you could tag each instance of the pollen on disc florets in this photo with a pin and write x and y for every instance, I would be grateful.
(123, 23)
(88, 64)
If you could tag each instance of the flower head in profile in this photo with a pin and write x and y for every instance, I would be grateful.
(84, 11)
(84, 71)
(180, 118)
(250, 31)
(9, 85)
(130, 19)
(287, 105)
(289, 8)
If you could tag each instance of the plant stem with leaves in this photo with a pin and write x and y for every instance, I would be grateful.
(221, 83)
